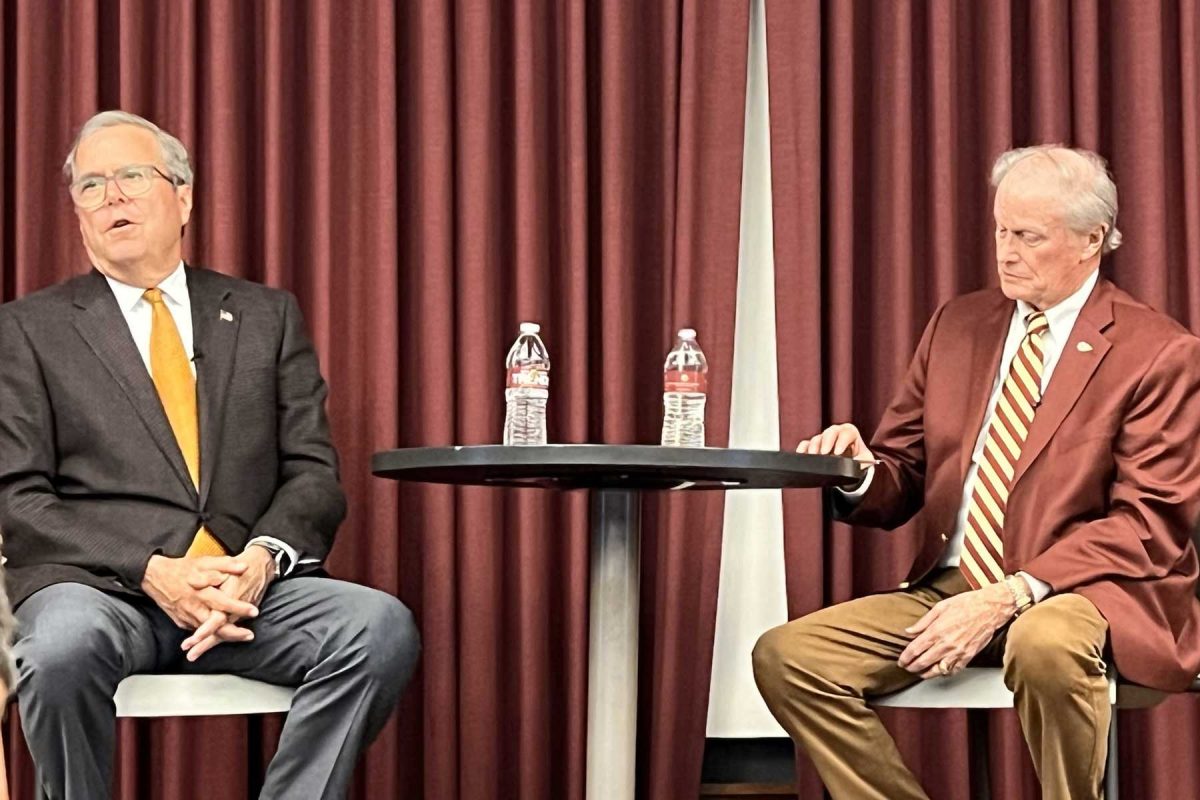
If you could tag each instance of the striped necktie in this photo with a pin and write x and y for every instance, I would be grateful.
(982, 558)
(172, 376)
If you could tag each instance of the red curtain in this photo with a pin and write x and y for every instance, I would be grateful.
(577, 164)
(424, 176)
(885, 118)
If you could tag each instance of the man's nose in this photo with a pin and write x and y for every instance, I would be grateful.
(113, 193)
(1005, 252)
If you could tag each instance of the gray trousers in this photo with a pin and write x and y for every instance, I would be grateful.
(350, 651)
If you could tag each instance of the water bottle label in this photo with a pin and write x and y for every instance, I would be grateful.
(528, 378)
(678, 380)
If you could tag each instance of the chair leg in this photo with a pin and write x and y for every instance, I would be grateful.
(1111, 778)
(977, 744)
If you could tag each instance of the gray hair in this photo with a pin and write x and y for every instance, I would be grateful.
(1090, 193)
(174, 154)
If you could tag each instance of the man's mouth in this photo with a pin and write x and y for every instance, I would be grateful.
(121, 223)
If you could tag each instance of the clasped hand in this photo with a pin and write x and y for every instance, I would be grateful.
(209, 595)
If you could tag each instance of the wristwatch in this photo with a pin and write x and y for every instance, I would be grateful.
(1020, 592)
(276, 552)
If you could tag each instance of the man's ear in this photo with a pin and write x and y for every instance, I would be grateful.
(183, 195)
(1095, 242)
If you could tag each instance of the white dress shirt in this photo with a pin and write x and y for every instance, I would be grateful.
(1061, 319)
(138, 316)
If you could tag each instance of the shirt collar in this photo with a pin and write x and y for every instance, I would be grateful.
(173, 287)
(1061, 317)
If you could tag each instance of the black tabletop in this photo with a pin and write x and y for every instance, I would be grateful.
(596, 466)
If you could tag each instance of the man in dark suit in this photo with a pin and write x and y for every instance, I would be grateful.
(1049, 433)
(169, 491)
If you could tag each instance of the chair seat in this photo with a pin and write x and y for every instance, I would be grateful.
(974, 687)
(199, 696)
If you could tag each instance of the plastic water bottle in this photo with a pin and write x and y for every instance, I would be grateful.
(685, 386)
(527, 389)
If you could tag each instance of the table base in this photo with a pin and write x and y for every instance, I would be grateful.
(613, 644)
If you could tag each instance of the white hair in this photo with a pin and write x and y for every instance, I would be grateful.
(174, 154)
(1090, 195)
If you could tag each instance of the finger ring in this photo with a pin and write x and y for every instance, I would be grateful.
(943, 668)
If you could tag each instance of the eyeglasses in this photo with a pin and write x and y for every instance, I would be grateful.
(133, 180)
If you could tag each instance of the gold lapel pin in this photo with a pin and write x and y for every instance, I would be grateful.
(1083, 347)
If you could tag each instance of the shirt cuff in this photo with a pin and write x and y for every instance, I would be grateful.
(287, 558)
(857, 493)
(1039, 589)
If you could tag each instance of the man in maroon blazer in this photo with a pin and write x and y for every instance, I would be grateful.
(1049, 432)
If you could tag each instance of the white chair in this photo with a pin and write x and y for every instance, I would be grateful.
(981, 688)
(197, 696)
(977, 689)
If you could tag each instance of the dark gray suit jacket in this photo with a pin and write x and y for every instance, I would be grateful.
(92, 482)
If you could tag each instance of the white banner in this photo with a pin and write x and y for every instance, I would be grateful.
(752, 595)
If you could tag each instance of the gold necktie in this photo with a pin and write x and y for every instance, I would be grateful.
(176, 387)
(982, 558)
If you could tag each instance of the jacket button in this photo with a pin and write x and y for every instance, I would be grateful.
(903, 584)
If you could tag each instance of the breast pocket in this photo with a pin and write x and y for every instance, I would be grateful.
(1077, 446)
(253, 387)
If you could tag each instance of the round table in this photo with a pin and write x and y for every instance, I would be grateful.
(616, 474)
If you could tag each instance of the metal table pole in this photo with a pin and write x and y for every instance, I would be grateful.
(613, 644)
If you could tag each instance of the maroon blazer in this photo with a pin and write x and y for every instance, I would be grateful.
(1108, 485)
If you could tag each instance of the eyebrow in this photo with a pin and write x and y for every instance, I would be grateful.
(1035, 231)
(115, 169)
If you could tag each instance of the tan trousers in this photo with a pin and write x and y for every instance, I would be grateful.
(816, 672)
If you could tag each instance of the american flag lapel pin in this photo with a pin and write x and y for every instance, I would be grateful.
(226, 316)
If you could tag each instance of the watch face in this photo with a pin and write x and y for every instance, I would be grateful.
(277, 553)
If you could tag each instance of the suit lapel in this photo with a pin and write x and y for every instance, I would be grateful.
(1075, 368)
(100, 322)
(986, 350)
(215, 325)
